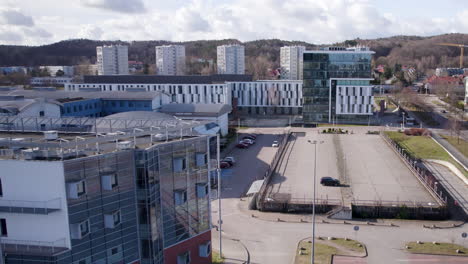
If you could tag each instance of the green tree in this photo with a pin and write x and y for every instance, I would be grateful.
(388, 73)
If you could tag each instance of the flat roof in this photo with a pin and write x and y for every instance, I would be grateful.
(167, 79)
(74, 96)
(196, 109)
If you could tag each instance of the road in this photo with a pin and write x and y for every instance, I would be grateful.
(273, 242)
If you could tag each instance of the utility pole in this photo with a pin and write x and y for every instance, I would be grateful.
(315, 142)
(220, 221)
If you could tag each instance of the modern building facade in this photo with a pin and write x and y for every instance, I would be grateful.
(337, 85)
(291, 61)
(269, 97)
(170, 60)
(50, 81)
(231, 59)
(106, 204)
(112, 60)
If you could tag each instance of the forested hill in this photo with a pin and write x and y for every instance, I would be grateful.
(421, 52)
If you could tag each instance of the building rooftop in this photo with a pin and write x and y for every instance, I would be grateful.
(65, 96)
(214, 110)
(167, 79)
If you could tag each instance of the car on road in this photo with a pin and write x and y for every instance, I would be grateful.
(275, 144)
(248, 141)
(230, 160)
(224, 165)
(242, 145)
(250, 136)
(329, 181)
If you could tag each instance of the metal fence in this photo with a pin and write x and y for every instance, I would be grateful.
(427, 179)
(14, 246)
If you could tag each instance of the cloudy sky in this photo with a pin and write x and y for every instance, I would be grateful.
(35, 22)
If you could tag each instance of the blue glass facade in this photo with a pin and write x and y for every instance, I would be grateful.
(319, 68)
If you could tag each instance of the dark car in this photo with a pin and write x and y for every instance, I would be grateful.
(329, 181)
(242, 146)
(224, 165)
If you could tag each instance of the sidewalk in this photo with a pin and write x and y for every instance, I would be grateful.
(451, 149)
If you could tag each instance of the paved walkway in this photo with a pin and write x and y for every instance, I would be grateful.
(456, 187)
(454, 151)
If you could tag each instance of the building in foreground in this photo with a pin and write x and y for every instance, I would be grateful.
(231, 59)
(170, 60)
(337, 85)
(125, 197)
(112, 60)
(291, 61)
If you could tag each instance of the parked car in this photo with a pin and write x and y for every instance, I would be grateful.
(250, 136)
(275, 144)
(329, 181)
(242, 146)
(224, 164)
(230, 160)
(248, 141)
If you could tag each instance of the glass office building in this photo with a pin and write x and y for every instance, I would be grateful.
(324, 71)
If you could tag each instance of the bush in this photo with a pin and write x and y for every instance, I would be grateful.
(417, 132)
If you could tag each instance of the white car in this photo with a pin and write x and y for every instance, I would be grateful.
(275, 144)
(247, 141)
(230, 159)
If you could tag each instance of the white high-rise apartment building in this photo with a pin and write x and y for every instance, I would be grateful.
(170, 60)
(231, 59)
(112, 60)
(292, 62)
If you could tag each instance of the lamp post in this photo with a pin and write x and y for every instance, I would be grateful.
(315, 142)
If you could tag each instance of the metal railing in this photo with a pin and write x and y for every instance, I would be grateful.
(427, 179)
(394, 203)
(14, 246)
(30, 207)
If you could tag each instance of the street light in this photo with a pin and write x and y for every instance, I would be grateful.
(315, 142)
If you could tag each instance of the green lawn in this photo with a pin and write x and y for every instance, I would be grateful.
(422, 147)
(461, 145)
(217, 259)
(438, 249)
(323, 252)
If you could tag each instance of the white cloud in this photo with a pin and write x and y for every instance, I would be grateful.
(314, 21)
(122, 6)
(15, 18)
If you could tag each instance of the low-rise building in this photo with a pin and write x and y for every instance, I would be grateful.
(67, 71)
(50, 81)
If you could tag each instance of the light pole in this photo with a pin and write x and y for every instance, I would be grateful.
(315, 142)
(218, 171)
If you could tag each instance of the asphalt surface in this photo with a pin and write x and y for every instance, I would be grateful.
(295, 174)
(377, 173)
(275, 242)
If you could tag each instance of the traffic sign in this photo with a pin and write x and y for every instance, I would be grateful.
(356, 228)
(464, 235)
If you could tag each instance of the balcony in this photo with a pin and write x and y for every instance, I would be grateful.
(33, 248)
(30, 207)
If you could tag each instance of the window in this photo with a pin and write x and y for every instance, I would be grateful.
(179, 164)
(205, 249)
(115, 251)
(202, 190)
(41, 113)
(84, 228)
(3, 227)
(80, 230)
(112, 220)
(201, 159)
(76, 189)
(109, 182)
(180, 197)
(1, 188)
(184, 258)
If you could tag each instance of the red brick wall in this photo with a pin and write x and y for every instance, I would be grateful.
(171, 253)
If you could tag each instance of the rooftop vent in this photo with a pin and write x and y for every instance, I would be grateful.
(51, 135)
(124, 145)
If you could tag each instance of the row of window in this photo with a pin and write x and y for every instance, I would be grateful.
(180, 195)
(77, 189)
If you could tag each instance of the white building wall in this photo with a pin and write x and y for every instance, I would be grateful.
(112, 60)
(35, 181)
(170, 60)
(267, 93)
(231, 59)
(179, 93)
(292, 61)
(354, 100)
(49, 109)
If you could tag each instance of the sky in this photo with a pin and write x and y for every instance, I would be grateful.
(38, 22)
